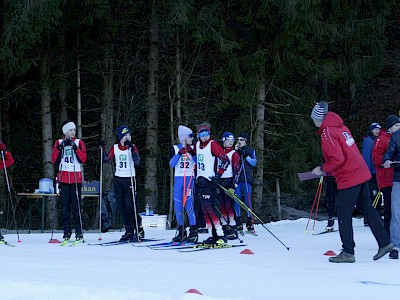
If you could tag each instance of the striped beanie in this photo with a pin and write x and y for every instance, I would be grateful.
(319, 111)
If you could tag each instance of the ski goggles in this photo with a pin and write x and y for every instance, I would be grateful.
(191, 135)
(241, 139)
(204, 134)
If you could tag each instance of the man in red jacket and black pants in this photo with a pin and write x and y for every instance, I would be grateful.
(344, 161)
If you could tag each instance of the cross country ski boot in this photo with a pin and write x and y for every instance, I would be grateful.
(180, 235)
(128, 234)
(1, 238)
(331, 225)
(229, 232)
(67, 236)
(210, 241)
(250, 225)
(78, 236)
(221, 240)
(141, 231)
(193, 236)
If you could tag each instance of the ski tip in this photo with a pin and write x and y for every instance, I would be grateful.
(19, 241)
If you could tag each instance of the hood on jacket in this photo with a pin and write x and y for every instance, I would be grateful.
(331, 120)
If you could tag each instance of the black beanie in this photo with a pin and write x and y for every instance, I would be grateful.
(391, 120)
(245, 136)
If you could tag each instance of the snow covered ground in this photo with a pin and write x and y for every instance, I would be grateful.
(36, 269)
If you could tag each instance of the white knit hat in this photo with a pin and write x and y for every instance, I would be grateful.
(319, 111)
(183, 133)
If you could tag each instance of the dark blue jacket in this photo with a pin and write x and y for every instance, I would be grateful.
(248, 161)
(367, 146)
(393, 153)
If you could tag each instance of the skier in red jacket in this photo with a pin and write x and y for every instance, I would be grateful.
(385, 176)
(344, 161)
(7, 162)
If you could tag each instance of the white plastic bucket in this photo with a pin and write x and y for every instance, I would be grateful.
(46, 186)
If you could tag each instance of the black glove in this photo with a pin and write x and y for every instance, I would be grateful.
(74, 146)
(128, 143)
(102, 144)
(216, 180)
(67, 143)
(241, 152)
(60, 147)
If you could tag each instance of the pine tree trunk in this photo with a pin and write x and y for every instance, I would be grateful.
(47, 138)
(152, 115)
(107, 118)
(62, 87)
(259, 147)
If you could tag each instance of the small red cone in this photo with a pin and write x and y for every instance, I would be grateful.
(247, 251)
(54, 241)
(330, 253)
(193, 291)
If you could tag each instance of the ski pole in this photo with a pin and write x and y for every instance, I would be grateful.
(319, 188)
(78, 201)
(375, 203)
(316, 210)
(133, 189)
(9, 194)
(100, 190)
(247, 189)
(231, 193)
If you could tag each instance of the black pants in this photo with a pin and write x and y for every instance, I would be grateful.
(124, 199)
(387, 213)
(331, 196)
(68, 198)
(346, 201)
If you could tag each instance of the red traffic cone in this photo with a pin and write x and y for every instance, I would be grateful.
(54, 241)
(193, 291)
(247, 251)
(330, 253)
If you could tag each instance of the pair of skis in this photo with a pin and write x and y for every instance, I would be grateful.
(6, 244)
(123, 242)
(71, 243)
(190, 247)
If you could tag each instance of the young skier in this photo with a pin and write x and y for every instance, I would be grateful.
(229, 181)
(7, 162)
(182, 158)
(126, 156)
(207, 151)
(69, 153)
(248, 161)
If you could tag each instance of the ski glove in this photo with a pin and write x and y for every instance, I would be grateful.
(60, 147)
(190, 150)
(128, 143)
(216, 180)
(2, 147)
(182, 151)
(102, 144)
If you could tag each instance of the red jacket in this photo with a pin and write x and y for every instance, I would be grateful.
(69, 177)
(342, 157)
(384, 176)
(8, 160)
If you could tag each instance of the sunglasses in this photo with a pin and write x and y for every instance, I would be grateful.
(204, 134)
(191, 135)
(241, 139)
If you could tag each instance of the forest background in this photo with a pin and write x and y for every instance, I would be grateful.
(244, 66)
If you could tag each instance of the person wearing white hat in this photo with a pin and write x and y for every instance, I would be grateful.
(69, 153)
(182, 159)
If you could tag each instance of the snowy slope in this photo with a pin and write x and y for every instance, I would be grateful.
(35, 269)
